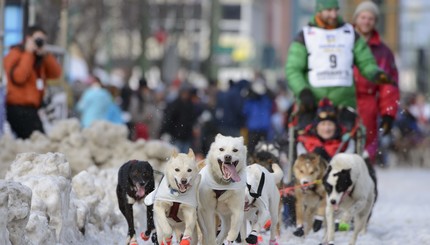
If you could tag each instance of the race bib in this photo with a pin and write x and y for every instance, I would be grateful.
(39, 84)
(330, 58)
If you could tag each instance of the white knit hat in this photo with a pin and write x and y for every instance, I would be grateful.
(366, 6)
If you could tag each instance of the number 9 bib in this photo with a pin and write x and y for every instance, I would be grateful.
(330, 56)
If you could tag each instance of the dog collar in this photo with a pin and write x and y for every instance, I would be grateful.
(259, 190)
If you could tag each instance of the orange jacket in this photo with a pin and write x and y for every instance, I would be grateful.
(22, 76)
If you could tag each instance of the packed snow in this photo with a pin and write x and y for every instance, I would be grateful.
(48, 197)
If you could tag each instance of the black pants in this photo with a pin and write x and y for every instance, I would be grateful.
(23, 120)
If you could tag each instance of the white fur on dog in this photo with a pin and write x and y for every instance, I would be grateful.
(267, 205)
(357, 201)
(230, 205)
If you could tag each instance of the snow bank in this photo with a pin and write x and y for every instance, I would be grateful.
(70, 197)
(103, 144)
(14, 212)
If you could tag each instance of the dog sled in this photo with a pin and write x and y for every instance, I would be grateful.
(353, 135)
(347, 117)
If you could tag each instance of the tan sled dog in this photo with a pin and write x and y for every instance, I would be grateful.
(175, 206)
(309, 170)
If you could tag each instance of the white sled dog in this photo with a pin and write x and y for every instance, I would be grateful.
(221, 191)
(262, 200)
(175, 206)
(351, 189)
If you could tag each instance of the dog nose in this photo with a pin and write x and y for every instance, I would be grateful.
(141, 183)
(333, 202)
(227, 158)
(305, 182)
(183, 181)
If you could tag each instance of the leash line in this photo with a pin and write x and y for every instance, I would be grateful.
(286, 190)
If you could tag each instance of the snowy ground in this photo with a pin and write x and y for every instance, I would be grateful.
(401, 215)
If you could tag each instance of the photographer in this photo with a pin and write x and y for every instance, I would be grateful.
(27, 67)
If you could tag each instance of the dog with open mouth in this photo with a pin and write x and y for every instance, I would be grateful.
(351, 191)
(221, 191)
(135, 181)
(175, 200)
(309, 169)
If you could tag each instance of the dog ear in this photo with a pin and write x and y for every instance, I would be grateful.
(174, 153)
(201, 164)
(218, 135)
(241, 139)
(191, 153)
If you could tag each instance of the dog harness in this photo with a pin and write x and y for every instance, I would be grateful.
(165, 193)
(260, 188)
(173, 213)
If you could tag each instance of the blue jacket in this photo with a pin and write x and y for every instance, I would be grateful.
(258, 112)
(229, 106)
(94, 105)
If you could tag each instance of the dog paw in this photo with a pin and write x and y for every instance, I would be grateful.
(252, 239)
(273, 242)
(133, 241)
(267, 225)
(168, 241)
(184, 242)
(299, 232)
(145, 235)
(317, 225)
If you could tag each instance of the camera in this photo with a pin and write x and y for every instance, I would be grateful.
(39, 42)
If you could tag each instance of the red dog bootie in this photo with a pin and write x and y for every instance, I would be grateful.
(168, 241)
(185, 240)
(144, 237)
(133, 241)
(267, 225)
(273, 242)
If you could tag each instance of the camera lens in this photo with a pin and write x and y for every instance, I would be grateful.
(39, 42)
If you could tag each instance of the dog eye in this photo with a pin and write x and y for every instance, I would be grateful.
(311, 173)
(177, 169)
(189, 170)
(235, 150)
(221, 149)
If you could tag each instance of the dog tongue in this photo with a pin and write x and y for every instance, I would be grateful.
(232, 170)
(140, 191)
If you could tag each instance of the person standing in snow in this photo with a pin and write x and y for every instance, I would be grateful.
(27, 67)
(375, 100)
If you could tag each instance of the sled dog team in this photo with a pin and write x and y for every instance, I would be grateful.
(215, 201)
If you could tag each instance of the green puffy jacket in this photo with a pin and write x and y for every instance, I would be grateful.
(297, 70)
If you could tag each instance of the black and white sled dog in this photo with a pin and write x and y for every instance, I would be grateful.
(351, 190)
(262, 200)
(135, 181)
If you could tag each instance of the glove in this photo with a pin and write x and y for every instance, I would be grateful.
(307, 100)
(383, 78)
(386, 124)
